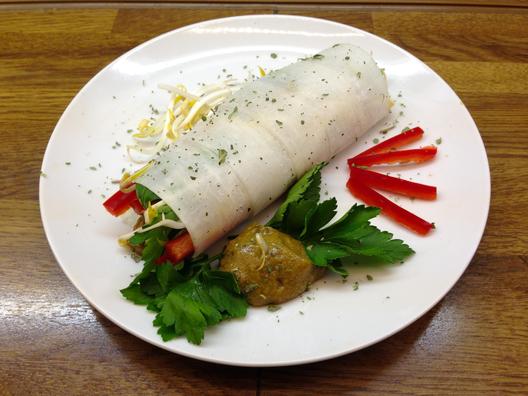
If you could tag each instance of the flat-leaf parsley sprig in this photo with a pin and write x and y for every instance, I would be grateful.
(351, 238)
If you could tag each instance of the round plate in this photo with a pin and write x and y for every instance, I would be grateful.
(86, 152)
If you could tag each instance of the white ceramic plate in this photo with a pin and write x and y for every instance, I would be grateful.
(330, 320)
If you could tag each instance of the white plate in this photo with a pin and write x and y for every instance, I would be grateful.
(332, 319)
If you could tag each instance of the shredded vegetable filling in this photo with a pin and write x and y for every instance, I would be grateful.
(164, 222)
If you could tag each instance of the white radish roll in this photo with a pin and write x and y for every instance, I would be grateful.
(265, 136)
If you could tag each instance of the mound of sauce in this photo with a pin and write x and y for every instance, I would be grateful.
(271, 267)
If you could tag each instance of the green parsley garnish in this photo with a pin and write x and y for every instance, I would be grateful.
(145, 196)
(187, 298)
(350, 238)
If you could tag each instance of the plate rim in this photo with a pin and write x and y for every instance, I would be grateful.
(279, 363)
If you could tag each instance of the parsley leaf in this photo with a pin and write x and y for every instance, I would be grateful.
(151, 286)
(164, 211)
(188, 316)
(307, 188)
(145, 196)
(352, 236)
(380, 245)
(167, 276)
(202, 301)
(296, 216)
(323, 213)
(136, 295)
(147, 269)
(187, 298)
(348, 225)
(155, 244)
(322, 253)
(337, 267)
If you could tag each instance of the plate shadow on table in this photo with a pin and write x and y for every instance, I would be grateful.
(166, 369)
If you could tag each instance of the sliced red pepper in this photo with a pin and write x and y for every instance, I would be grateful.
(121, 201)
(395, 212)
(393, 184)
(177, 249)
(136, 205)
(400, 156)
(400, 140)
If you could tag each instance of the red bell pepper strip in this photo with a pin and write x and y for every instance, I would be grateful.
(395, 212)
(400, 140)
(136, 205)
(121, 201)
(393, 184)
(177, 249)
(401, 156)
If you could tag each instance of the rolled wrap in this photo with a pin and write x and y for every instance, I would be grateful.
(265, 136)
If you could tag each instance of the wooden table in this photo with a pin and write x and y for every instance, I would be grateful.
(474, 341)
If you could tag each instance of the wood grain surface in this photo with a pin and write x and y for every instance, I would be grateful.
(492, 3)
(475, 341)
